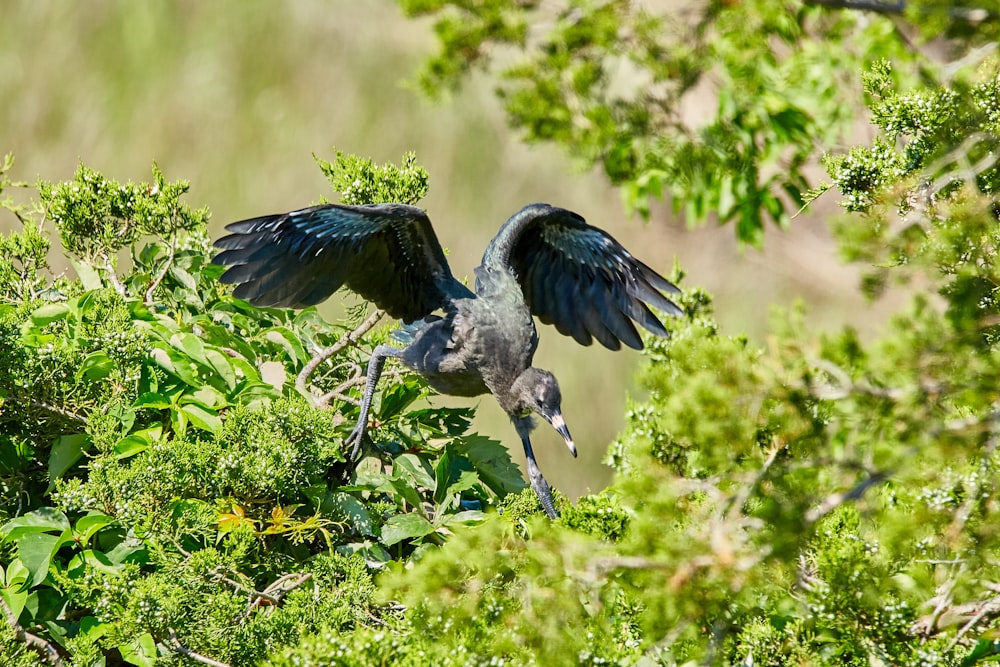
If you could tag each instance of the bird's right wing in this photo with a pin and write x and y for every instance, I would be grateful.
(387, 253)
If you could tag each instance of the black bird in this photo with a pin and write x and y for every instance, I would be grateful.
(544, 261)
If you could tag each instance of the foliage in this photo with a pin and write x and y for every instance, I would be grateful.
(174, 489)
(615, 84)
(172, 478)
(822, 500)
(360, 181)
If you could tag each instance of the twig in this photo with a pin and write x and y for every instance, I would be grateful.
(835, 500)
(148, 298)
(358, 380)
(177, 646)
(969, 14)
(62, 412)
(845, 386)
(972, 498)
(274, 593)
(928, 624)
(285, 584)
(991, 607)
(323, 355)
(738, 500)
(235, 354)
(357, 377)
(255, 595)
(36, 643)
(112, 276)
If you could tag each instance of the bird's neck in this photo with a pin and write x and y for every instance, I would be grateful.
(512, 396)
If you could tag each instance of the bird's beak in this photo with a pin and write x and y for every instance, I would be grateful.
(559, 424)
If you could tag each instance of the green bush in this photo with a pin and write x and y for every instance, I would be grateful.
(172, 473)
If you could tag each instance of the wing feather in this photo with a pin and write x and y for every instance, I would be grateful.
(387, 253)
(580, 279)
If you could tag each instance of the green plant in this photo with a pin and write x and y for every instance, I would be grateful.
(172, 458)
(622, 85)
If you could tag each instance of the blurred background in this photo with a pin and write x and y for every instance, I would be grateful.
(236, 95)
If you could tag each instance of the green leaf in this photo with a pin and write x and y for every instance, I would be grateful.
(87, 526)
(466, 480)
(36, 550)
(206, 396)
(492, 462)
(96, 366)
(398, 397)
(183, 277)
(14, 591)
(92, 629)
(442, 476)
(97, 560)
(222, 366)
(43, 519)
(177, 365)
(192, 346)
(49, 313)
(415, 466)
(140, 651)
(137, 442)
(202, 417)
(67, 450)
(354, 511)
(153, 401)
(284, 338)
(405, 526)
(89, 277)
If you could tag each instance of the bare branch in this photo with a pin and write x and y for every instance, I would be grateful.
(109, 268)
(968, 14)
(844, 386)
(349, 339)
(148, 298)
(357, 378)
(62, 412)
(36, 643)
(175, 645)
(835, 500)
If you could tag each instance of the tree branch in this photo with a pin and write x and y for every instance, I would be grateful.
(148, 298)
(969, 14)
(109, 268)
(62, 412)
(174, 643)
(835, 500)
(34, 642)
(321, 356)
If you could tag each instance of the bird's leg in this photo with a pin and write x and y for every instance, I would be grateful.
(375, 365)
(538, 483)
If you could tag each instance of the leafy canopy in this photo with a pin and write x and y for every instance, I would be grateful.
(624, 86)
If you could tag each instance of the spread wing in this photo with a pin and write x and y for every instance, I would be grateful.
(387, 253)
(579, 278)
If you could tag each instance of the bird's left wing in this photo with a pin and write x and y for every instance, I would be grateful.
(387, 253)
(579, 278)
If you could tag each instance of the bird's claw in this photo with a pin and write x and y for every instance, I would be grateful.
(354, 440)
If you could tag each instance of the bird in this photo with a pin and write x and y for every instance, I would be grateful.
(545, 262)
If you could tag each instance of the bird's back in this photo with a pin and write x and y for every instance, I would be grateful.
(481, 345)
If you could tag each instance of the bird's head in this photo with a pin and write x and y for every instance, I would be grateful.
(536, 390)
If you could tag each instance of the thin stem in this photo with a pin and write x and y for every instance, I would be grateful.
(176, 645)
(36, 643)
(323, 355)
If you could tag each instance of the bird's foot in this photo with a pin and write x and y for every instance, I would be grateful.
(353, 441)
(542, 490)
